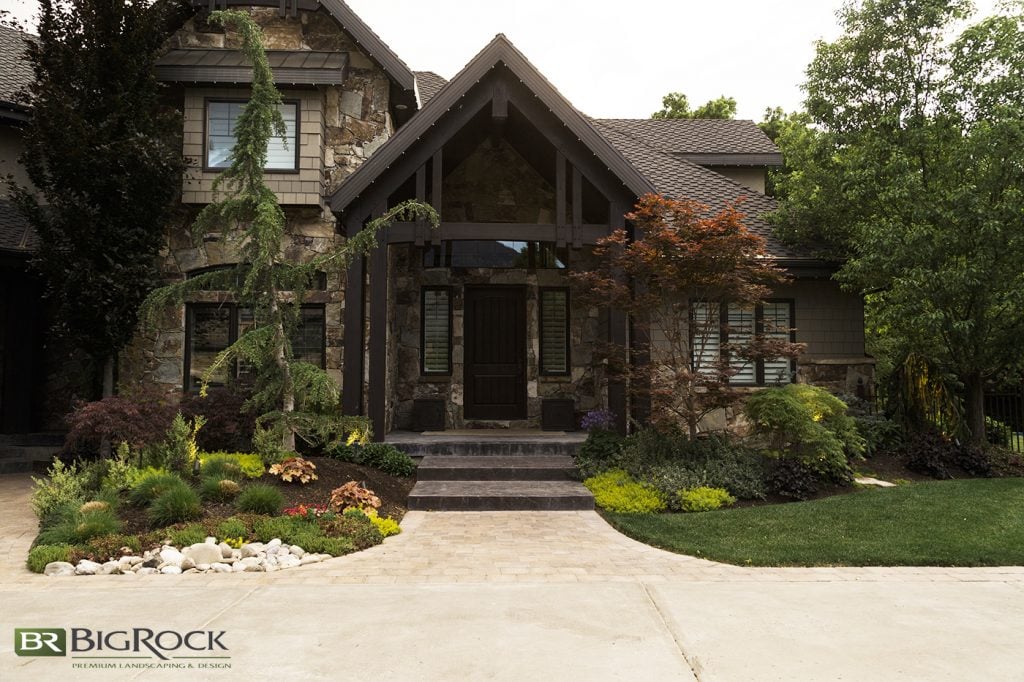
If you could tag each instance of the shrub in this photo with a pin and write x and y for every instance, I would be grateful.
(260, 498)
(704, 499)
(62, 486)
(80, 527)
(598, 420)
(598, 451)
(190, 534)
(232, 527)
(310, 512)
(617, 491)
(108, 547)
(386, 526)
(121, 473)
(94, 505)
(138, 418)
(794, 479)
(352, 495)
(359, 530)
(214, 489)
(233, 465)
(179, 449)
(175, 504)
(934, 455)
(151, 484)
(40, 555)
(339, 546)
(294, 469)
(388, 459)
(810, 424)
(284, 527)
(880, 434)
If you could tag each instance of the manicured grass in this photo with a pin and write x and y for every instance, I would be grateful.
(978, 522)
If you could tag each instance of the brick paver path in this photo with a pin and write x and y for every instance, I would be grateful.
(482, 547)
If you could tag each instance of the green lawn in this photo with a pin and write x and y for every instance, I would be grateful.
(977, 522)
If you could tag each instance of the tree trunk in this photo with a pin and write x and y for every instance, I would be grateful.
(108, 391)
(287, 387)
(976, 408)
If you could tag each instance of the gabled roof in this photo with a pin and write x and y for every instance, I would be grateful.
(16, 234)
(428, 84)
(709, 142)
(15, 72)
(681, 179)
(499, 51)
(290, 67)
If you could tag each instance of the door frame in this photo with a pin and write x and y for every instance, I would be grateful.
(521, 411)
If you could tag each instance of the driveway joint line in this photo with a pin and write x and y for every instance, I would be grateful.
(694, 668)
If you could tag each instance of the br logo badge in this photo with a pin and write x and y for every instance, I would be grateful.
(40, 642)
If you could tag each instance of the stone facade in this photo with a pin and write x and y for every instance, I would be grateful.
(340, 126)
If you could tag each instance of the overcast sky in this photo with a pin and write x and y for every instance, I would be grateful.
(617, 59)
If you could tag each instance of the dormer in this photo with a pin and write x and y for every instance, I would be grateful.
(344, 93)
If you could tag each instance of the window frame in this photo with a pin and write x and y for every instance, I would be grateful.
(568, 332)
(423, 331)
(443, 256)
(207, 168)
(723, 335)
(232, 308)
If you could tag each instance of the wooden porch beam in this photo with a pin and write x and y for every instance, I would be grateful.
(577, 206)
(405, 232)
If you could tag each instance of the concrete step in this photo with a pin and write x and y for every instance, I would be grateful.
(500, 496)
(505, 447)
(491, 468)
(18, 459)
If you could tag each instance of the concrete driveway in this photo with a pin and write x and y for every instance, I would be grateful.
(524, 596)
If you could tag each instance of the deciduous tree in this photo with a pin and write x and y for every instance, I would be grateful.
(676, 105)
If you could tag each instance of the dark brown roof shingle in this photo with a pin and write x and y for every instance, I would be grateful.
(15, 232)
(428, 83)
(700, 139)
(15, 71)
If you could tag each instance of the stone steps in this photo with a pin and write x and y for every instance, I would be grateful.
(19, 459)
(505, 447)
(492, 468)
(500, 496)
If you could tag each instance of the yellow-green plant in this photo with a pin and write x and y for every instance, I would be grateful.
(704, 499)
(386, 526)
(617, 491)
(248, 464)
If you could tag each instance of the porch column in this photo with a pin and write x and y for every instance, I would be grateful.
(377, 400)
(617, 335)
(355, 341)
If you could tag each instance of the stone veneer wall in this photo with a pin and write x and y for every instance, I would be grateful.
(406, 384)
(350, 122)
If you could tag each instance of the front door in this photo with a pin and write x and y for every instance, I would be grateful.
(495, 342)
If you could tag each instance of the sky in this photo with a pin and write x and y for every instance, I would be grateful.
(618, 59)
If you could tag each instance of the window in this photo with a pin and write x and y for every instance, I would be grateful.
(436, 336)
(210, 328)
(714, 325)
(554, 331)
(496, 254)
(221, 117)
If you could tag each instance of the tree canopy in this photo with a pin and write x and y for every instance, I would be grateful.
(913, 172)
(676, 105)
(105, 159)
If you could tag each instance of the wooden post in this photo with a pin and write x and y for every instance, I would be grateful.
(421, 196)
(355, 343)
(377, 399)
(559, 198)
(435, 198)
(577, 206)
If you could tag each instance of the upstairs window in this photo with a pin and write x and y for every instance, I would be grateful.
(712, 326)
(221, 118)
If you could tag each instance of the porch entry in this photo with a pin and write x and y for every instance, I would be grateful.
(495, 352)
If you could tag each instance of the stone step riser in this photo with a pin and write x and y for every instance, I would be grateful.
(496, 474)
(500, 503)
(489, 449)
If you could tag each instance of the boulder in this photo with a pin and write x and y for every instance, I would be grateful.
(110, 568)
(288, 561)
(225, 550)
(251, 550)
(86, 567)
(310, 559)
(188, 564)
(203, 567)
(171, 556)
(204, 553)
(210, 540)
(298, 551)
(220, 568)
(171, 569)
(146, 570)
(151, 562)
(59, 568)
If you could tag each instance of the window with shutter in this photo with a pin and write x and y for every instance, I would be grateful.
(706, 334)
(740, 330)
(554, 331)
(221, 118)
(436, 321)
(777, 325)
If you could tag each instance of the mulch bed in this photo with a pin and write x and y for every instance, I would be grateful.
(393, 492)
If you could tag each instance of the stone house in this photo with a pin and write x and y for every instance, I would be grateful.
(472, 325)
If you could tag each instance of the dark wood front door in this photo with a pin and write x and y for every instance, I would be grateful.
(495, 343)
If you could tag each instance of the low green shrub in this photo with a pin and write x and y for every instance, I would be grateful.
(78, 527)
(880, 434)
(63, 485)
(250, 465)
(325, 545)
(386, 526)
(151, 484)
(283, 527)
(383, 456)
(41, 555)
(934, 455)
(617, 491)
(793, 478)
(360, 531)
(175, 504)
(216, 489)
(260, 498)
(110, 547)
(598, 451)
(704, 499)
(190, 534)
(232, 527)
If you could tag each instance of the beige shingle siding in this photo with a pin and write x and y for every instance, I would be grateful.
(303, 188)
(829, 320)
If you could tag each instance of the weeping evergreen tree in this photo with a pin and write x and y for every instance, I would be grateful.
(291, 397)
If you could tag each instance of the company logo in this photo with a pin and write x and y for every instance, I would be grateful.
(40, 641)
(110, 648)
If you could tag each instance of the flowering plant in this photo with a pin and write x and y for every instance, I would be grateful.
(309, 512)
(598, 420)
